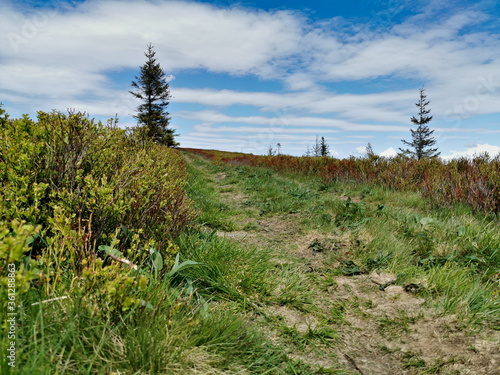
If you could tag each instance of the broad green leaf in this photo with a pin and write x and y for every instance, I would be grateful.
(179, 267)
(110, 250)
(156, 259)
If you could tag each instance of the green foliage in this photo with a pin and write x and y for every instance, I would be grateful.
(90, 218)
(94, 174)
(349, 268)
(177, 334)
(422, 139)
(3, 116)
(463, 293)
(16, 269)
(352, 214)
(153, 89)
(118, 279)
(106, 291)
(212, 213)
(379, 261)
(231, 271)
(272, 194)
(75, 192)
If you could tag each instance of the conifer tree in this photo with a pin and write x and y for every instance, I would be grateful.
(420, 146)
(270, 151)
(153, 89)
(369, 151)
(308, 152)
(323, 147)
(316, 151)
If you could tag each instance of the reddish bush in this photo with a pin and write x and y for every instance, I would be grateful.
(475, 182)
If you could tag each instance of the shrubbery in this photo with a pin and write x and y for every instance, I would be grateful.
(73, 191)
(475, 182)
(93, 220)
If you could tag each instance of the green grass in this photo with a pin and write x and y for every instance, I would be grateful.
(178, 335)
(195, 322)
(229, 271)
(272, 194)
(212, 212)
(198, 320)
(213, 317)
(463, 292)
(400, 232)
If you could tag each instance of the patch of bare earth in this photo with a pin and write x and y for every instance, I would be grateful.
(302, 323)
(386, 332)
(394, 332)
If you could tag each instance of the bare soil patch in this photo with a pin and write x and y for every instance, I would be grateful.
(394, 332)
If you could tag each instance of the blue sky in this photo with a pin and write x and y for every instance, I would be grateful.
(246, 75)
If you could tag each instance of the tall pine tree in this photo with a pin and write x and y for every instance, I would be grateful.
(152, 88)
(422, 140)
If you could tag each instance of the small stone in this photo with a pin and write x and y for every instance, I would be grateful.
(382, 278)
(394, 290)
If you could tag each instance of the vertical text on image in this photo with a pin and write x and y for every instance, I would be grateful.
(11, 315)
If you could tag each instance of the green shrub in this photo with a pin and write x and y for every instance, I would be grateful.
(84, 185)
(16, 270)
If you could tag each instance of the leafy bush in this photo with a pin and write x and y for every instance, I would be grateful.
(75, 185)
(16, 272)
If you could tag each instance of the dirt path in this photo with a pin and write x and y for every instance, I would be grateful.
(358, 324)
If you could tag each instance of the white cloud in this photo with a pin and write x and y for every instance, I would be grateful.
(424, 50)
(99, 35)
(284, 120)
(361, 150)
(476, 150)
(389, 153)
(386, 106)
(51, 81)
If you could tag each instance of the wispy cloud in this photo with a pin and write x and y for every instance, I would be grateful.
(387, 106)
(289, 121)
(60, 57)
(98, 35)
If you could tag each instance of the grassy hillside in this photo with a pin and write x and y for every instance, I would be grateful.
(473, 182)
(368, 277)
(132, 258)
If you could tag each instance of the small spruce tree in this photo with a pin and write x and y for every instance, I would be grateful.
(308, 151)
(316, 151)
(152, 88)
(270, 151)
(369, 150)
(421, 145)
(323, 147)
